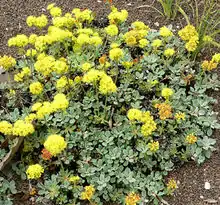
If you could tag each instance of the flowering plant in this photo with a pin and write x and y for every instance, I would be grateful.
(104, 114)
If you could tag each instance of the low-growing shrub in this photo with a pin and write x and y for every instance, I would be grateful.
(103, 114)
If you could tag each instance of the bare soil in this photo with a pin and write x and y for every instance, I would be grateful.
(191, 177)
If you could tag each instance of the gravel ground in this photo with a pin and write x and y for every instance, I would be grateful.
(191, 177)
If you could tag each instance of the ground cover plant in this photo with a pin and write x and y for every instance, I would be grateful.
(104, 113)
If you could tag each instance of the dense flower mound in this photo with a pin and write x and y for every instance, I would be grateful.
(106, 112)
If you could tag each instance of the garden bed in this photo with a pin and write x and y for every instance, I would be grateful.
(191, 178)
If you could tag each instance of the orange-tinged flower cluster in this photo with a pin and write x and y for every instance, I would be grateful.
(132, 199)
(165, 110)
(46, 155)
(191, 139)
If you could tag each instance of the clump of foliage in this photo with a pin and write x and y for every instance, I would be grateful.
(103, 114)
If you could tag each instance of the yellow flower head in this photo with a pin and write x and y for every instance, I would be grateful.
(19, 41)
(143, 43)
(30, 118)
(191, 139)
(32, 39)
(22, 128)
(134, 114)
(166, 93)
(156, 43)
(116, 54)
(180, 116)
(169, 52)
(60, 102)
(130, 41)
(149, 125)
(132, 199)
(88, 193)
(86, 66)
(5, 128)
(36, 106)
(209, 65)
(139, 25)
(171, 185)
(191, 45)
(116, 16)
(127, 64)
(36, 88)
(216, 58)
(165, 32)
(34, 171)
(107, 85)
(207, 39)
(62, 82)
(92, 76)
(187, 32)
(7, 62)
(74, 179)
(45, 109)
(55, 11)
(55, 144)
(153, 146)
(112, 30)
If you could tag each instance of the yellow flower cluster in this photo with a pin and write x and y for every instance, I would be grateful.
(64, 21)
(5, 128)
(137, 35)
(86, 66)
(132, 199)
(63, 82)
(165, 111)
(190, 35)
(7, 62)
(116, 17)
(107, 85)
(84, 15)
(32, 39)
(60, 102)
(191, 139)
(157, 43)
(169, 52)
(111, 30)
(39, 22)
(116, 54)
(88, 193)
(22, 128)
(149, 125)
(216, 58)
(127, 64)
(167, 93)
(180, 116)
(209, 65)
(55, 11)
(34, 171)
(153, 146)
(19, 41)
(74, 179)
(55, 144)
(171, 185)
(30, 118)
(165, 32)
(36, 88)
(31, 53)
(19, 77)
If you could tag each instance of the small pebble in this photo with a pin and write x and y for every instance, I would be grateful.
(201, 197)
(99, 1)
(129, 4)
(207, 185)
(156, 24)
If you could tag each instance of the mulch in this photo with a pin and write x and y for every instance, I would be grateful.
(191, 177)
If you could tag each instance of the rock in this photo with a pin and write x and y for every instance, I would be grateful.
(211, 201)
(207, 185)
(156, 24)
(201, 197)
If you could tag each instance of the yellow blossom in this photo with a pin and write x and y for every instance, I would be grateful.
(165, 32)
(216, 58)
(36, 106)
(30, 118)
(107, 85)
(209, 65)
(153, 146)
(111, 30)
(166, 93)
(171, 185)
(55, 11)
(36, 88)
(60, 102)
(34, 171)
(7, 62)
(19, 41)
(74, 179)
(165, 110)
(132, 199)
(191, 139)
(86, 66)
(88, 193)
(169, 52)
(116, 54)
(180, 116)
(143, 43)
(187, 32)
(134, 114)
(22, 128)
(156, 43)
(5, 128)
(55, 144)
